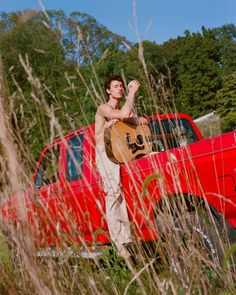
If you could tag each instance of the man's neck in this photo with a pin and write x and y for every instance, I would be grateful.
(114, 103)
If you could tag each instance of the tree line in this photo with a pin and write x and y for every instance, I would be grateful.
(55, 64)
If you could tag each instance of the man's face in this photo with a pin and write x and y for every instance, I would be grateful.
(116, 89)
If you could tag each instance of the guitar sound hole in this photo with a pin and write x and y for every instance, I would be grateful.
(128, 138)
(139, 140)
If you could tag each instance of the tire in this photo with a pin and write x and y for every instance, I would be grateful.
(196, 241)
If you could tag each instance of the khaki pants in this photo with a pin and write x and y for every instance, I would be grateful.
(116, 210)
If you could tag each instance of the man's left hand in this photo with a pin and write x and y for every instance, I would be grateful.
(142, 120)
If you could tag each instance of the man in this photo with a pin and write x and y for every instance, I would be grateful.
(106, 115)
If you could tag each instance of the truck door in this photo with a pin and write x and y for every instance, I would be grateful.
(47, 184)
(81, 219)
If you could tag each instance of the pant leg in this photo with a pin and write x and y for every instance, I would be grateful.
(116, 209)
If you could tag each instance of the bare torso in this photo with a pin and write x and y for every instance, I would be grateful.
(102, 122)
(100, 125)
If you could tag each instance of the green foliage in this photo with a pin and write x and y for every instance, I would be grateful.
(226, 98)
(226, 37)
(40, 44)
(71, 56)
(83, 38)
(39, 48)
(198, 73)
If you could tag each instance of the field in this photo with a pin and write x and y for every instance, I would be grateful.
(175, 264)
(171, 265)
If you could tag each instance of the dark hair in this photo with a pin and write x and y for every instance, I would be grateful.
(111, 78)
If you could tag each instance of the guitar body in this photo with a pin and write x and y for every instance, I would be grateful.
(125, 142)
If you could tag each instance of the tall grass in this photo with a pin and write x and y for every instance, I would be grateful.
(170, 265)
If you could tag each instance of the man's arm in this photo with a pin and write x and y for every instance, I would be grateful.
(133, 87)
(138, 120)
(126, 110)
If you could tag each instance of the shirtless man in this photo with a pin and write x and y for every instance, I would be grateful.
(106, 115)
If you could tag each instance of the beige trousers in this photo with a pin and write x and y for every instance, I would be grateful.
(116, 209)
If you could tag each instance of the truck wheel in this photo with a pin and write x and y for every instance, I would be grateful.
(195, 240)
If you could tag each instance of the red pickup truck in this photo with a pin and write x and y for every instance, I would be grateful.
(66, 203)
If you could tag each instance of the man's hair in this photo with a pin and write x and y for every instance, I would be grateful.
(111, 78)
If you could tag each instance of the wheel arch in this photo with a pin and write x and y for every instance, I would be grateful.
(177, 202)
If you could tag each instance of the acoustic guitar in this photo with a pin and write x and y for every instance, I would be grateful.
(125, 141)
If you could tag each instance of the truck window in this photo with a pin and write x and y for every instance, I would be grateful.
(74, 158)
(49, 167)
(171, 133)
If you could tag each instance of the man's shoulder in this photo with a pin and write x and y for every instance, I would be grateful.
(104, 106)
(102, 110)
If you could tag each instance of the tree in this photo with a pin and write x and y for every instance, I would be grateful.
(199, 73)
(36, 45)
(226, 36)
(162, 62)
(83, 38)
(226, 98)
(40, 44)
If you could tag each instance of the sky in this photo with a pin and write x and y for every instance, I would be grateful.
(154, 20)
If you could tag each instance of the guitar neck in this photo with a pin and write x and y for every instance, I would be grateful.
(158, 137)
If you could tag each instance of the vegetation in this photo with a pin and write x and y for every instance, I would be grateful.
(52, 68)
(72, 55)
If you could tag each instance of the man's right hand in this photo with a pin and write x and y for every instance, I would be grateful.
(133, 86)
